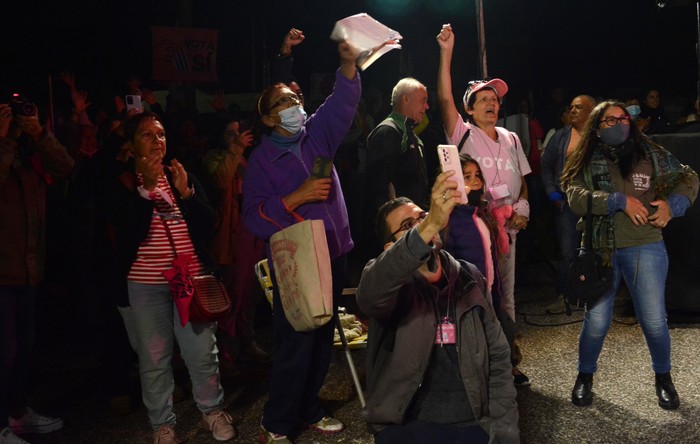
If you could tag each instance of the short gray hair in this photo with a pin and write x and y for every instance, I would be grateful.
(404, 87)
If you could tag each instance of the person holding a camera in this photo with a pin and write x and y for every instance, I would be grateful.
(31, 159)
(438, 363)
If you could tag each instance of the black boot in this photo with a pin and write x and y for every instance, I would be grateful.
(668, 397)
(582, 395)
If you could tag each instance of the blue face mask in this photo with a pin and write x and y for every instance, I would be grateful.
(292, 119)
(614, 135)
(634, 111)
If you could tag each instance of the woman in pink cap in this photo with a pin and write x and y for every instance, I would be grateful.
(501, 157)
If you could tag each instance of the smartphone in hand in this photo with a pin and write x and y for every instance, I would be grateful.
(449, 161)
(133, 101)
(323, 166)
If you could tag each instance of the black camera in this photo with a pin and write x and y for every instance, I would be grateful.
(22, 108)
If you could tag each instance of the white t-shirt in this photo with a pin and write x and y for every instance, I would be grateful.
(501, 162)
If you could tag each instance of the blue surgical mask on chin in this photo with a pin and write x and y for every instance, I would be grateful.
(292, 119)
(614, 135)
(634, 111)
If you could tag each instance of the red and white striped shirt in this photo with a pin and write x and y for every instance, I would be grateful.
(155, 254)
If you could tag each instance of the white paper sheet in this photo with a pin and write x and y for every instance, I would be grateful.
(370, 37)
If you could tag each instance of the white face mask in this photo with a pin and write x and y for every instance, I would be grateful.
(292, 119)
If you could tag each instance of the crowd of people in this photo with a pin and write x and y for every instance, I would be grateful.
(436, 276)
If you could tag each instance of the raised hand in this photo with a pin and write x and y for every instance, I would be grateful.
(219, 102)
(443, 198)
(292, 38)
(80, 100)
(68, 78)
(148, 96)
(244, 139)
(446, 38)
(348, 58)
(119, 104)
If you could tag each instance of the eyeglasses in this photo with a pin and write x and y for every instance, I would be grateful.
(612, 120)
(286, 100)
(408, 224)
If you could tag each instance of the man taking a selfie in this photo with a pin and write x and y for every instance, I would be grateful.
(438, 363)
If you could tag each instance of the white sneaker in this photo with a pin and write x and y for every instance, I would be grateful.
(33, 422)
(7, 437)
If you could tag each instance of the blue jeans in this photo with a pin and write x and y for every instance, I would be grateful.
(644, 270)
(154, 327)
(568, 242)
(17, 333)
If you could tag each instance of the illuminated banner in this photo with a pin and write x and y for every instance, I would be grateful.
(186, 54)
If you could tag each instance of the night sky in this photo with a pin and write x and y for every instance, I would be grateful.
(598, 47)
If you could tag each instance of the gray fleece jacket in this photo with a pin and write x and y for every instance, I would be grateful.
(401, 305)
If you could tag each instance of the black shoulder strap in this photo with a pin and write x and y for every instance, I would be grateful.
(464, 139)
(588, 244)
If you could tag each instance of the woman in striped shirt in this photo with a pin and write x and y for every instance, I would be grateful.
(147, 200)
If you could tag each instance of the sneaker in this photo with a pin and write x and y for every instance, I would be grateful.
(32, 422)
(520, 379)
(7, 437)
(328, 426)
(219, 423)
(266, 437)
(165, 435)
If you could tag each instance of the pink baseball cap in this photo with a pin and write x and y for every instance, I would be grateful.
(497, 85)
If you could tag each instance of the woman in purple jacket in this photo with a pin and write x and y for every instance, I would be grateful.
(279, 182)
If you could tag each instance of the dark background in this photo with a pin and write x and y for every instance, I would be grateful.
(606, 48)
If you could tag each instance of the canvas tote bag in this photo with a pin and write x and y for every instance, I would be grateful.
(303, 272)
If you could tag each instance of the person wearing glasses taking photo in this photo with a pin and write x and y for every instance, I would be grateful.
(638, 187)
(500, 154)
(438, 363)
